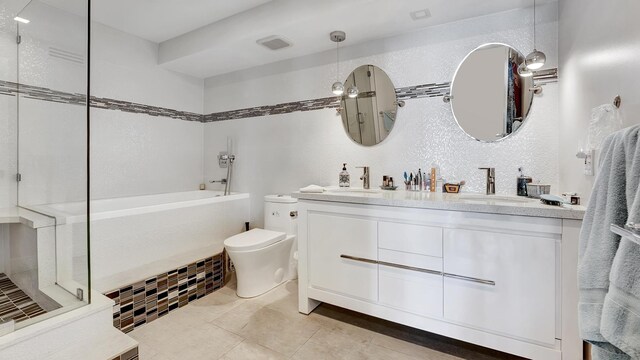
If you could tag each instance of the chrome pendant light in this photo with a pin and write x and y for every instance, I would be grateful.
(353, 91)
(536, 59)
(337, 36)
(523, 71)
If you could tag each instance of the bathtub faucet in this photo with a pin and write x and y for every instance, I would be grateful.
(221, 181)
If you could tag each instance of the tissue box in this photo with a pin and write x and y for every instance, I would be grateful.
(535, 190)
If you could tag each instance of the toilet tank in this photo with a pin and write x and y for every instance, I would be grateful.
(280, 213)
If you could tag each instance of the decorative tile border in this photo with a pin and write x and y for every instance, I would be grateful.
(45, 94)
(284, 108)
(403, 93)
(145, 301)
(422, 91)
(128, 355)
(130, 107)
(14, 303)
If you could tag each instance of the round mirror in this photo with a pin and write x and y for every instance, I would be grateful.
(489, 98)
(369, 105)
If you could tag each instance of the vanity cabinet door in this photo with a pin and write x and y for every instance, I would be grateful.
(521, 303)
(339, 247)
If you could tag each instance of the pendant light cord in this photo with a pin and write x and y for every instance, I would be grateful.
(534, 24)
(337, 61)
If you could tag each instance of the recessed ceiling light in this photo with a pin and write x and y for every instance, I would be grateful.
(22, 20)
(420, 14)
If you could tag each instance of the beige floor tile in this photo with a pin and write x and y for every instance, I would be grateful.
(204, 341)
(276, 331)
(211, 307)
(249, 350)
(410, 349)
(315, 351)
(146, 351)
(237, 319)
(375, 352)
(334, 343)
(283, 299)
(156, 357)
(270, 327)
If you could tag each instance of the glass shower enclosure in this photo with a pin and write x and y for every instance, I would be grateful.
(44, 159)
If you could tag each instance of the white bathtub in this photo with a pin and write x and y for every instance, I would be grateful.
(133, 238)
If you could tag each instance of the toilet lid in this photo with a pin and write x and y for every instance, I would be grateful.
(253, 239)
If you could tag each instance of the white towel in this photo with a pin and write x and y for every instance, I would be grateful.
(609, 269)
(312, 189)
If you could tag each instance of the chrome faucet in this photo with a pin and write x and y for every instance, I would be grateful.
(365, 176)
(491, 180)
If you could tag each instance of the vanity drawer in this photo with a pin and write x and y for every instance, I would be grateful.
(343, 255)
(411, 282)
(410, 238)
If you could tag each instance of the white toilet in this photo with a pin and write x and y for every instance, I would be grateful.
(265, 258)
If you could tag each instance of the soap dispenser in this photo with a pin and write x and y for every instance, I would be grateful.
(522, 183)
(343, 179)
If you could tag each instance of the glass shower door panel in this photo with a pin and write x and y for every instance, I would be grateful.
(52, 142)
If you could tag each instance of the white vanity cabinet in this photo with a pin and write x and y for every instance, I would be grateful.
(501, 282)
(489, 279)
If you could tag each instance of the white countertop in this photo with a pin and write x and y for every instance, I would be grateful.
(22, 216)
(493, 204)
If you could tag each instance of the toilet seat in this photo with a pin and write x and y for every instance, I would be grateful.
(253, 239)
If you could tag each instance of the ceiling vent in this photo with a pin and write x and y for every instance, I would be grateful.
(274, 42)
(420, 14)
(66, 55)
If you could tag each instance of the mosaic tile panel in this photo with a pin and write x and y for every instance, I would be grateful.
(145, 301)
(14, 303)
(129, 355)
(403, 93)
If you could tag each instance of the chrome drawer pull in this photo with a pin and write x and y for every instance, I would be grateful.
(466, 278)
(411, 268)
(384, 263)
(368, 261)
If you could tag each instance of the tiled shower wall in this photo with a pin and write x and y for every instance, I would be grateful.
(132, 153)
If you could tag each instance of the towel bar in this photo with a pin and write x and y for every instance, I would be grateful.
(626, 233)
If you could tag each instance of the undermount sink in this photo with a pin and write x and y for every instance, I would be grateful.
(495, 198)
(354, 191)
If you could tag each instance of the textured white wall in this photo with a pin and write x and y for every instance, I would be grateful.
(279, 154)
(137, 154)
(132, 154)
(599, 50)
